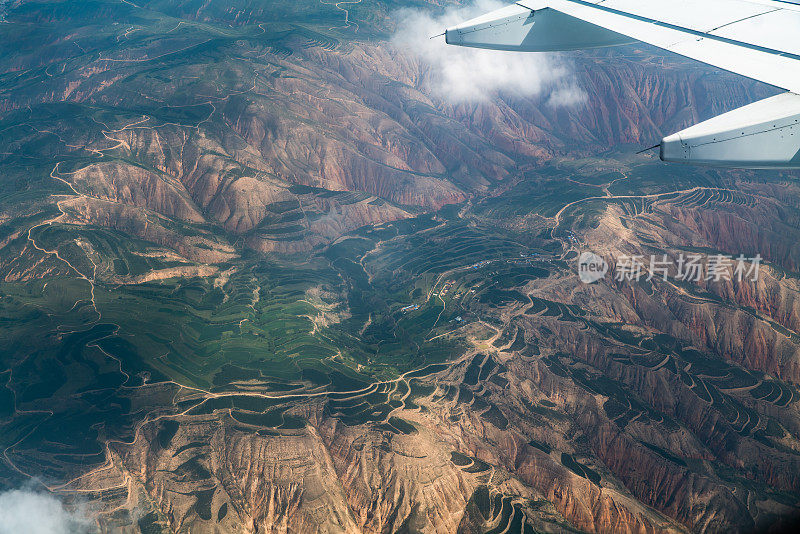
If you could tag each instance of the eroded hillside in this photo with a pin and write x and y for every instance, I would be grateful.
(258, 278)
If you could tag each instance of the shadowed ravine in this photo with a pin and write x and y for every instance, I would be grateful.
(258, 277)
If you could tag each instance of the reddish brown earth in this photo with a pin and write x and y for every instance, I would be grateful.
(614, 407)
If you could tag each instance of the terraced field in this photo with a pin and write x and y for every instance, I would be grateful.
(376, 330)
(253, 273)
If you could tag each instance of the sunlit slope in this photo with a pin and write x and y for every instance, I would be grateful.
(255, 274)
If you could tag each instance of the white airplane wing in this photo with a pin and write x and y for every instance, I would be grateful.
(759, 39)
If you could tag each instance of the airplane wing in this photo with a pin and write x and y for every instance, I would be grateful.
(759, 39)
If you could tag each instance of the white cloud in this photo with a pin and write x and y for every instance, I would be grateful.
(462, 74)
(567, 96)
(33, 512)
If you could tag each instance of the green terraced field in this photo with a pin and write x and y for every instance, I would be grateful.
(126, 312)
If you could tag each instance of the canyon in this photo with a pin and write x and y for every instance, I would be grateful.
(257, 276)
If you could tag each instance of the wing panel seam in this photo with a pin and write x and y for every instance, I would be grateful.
(685, 30)
(745, 18)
